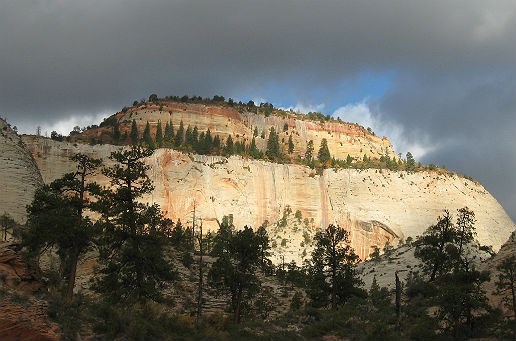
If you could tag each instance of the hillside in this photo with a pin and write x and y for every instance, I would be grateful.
(377, 206)
(240, 122)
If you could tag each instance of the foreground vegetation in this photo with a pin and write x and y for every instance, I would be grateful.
(148, 263)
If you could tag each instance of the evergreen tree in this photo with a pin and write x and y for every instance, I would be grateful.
(7, 223)
(216, 143)
(273, 148)
(253, 150)
(116, 132)
(159, 135)
(255, 132)
(437, 247)
(290, 145)
(334, 277)
(132, 255)
(208, 142)
(195, 138)
(169, 134)
(349, 160)
(324, 153)
(229, 147)
(200, 147)
(463, 307)
(134, 133)
(188, 138)
(178, 139)
(309, 152)
(147, 138)
(506, 283)
(411, 163)
(56, 218)
(465, 228)
(234, 273)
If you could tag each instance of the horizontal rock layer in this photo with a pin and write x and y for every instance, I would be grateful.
(376, 206)
(343, 138)
(19, 175)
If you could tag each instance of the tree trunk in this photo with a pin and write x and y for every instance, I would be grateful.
(71, 276)
(238, 302)
(199, 298)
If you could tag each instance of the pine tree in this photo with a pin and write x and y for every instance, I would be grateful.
(334, 276)
(309, 152)
(290, 145)
(253, 150)
(273, 147)
(229, 148)
(132, 255)
(147, 138)
(188, 138)
(134, 133)
(411, 162)
(159, 135)
(168, 138)
(7, 223)
(195, 138)
(208, 142)
(178, 139)
(234, 273)
(57, 218)
(116, 132)
(216, 143)
(506, 283)
(324, 153)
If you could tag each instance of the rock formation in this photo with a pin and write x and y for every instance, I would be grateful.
(377, 206)
(22, 315)
(19, 175)
(343, 138)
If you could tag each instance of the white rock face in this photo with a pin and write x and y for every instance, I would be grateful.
(19, 175)
(375, 206)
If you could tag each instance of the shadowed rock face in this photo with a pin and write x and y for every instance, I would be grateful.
(375, 206)
(507, 250)
(22, 316)
(19, 174)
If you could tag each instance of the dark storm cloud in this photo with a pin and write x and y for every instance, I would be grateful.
(453, 62)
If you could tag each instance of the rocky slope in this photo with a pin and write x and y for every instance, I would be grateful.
(224, 120)
(376, 206)
(19, 175)
(23, 316)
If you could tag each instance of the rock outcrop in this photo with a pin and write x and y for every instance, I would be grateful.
(343, 138)
(22, 315)
(507, 250)
(19, 175)
(376, 206)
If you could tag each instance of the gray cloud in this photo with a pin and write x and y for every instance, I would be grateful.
(454, 63)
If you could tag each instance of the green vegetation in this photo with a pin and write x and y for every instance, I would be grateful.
(57, 219)
(133, 235)
(322, 298)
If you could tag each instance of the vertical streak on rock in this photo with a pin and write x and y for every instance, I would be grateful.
(323, 190)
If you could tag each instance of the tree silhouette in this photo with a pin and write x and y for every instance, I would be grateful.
(134, 266)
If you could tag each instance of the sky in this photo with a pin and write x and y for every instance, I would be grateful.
(437, 77)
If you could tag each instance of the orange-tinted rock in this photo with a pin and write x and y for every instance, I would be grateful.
(26, 322)
(22, 316)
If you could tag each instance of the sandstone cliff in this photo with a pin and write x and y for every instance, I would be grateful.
(223, 120)
(376, 206)
(19, 175)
